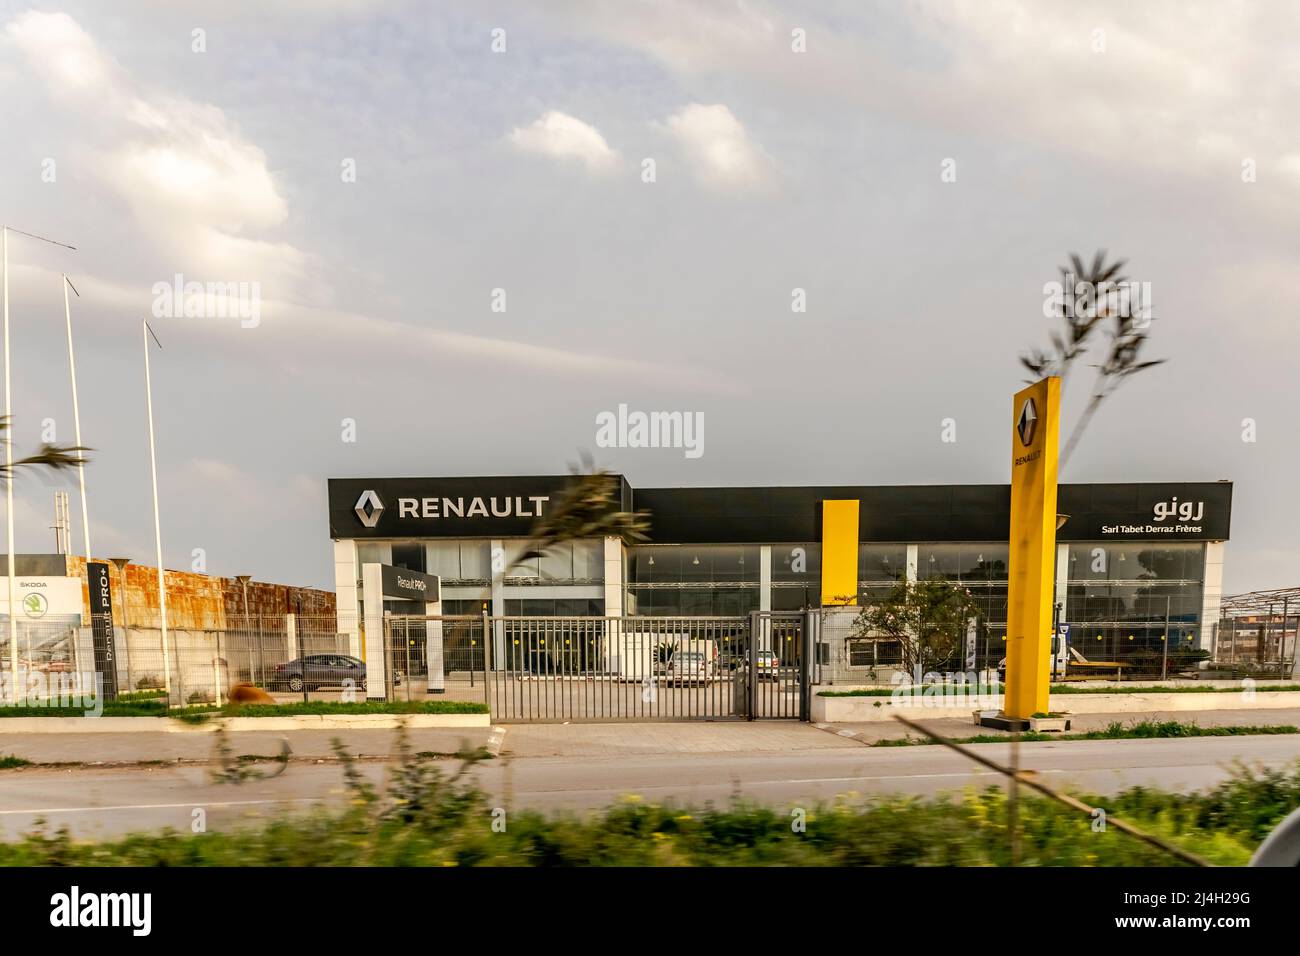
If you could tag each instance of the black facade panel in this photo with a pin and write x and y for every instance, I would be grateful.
(1164, 511)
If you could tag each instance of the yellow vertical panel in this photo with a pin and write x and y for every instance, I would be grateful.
(839, 552)
(1030, 570)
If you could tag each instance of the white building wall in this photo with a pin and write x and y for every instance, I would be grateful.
(347, 599)
(614, 585)
(1212, 599)
(765, 578)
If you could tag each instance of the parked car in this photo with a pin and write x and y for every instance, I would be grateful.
(689, 667)
(768, 666)
(323, 670)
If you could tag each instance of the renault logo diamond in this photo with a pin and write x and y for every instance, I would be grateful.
(369, 508)
(1026, 424)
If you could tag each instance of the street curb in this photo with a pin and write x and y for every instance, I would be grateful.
(166, 725)
(867, 709)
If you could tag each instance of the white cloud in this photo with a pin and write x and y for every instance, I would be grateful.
(719, 149)
(1183, 92)
(325, 333)
(64, 52)
(194, 184)
(562, 136)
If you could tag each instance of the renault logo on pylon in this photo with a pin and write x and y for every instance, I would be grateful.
(369, 508)
(1027, 422)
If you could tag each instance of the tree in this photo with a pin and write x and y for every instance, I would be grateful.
(927, 618)
(1094, 297)
(53, 457)
(588, 507)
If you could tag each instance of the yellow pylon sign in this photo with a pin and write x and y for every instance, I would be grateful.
(1031, 567)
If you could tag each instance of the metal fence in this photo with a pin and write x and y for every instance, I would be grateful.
(523, 668)
(291, 657)
(844, 655)
(1263, 645)
(605, 668)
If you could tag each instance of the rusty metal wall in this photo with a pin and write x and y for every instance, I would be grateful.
(200, 601)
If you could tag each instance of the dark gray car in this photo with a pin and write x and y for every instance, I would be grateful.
(320, 670)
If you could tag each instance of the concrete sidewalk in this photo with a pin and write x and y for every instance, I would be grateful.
(140, 747)
(622, 739)
(524, 740)
(956, 727)
(666, 737)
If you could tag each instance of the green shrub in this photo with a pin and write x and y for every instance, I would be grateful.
(427, 815)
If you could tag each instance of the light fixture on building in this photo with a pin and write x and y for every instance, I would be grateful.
(695, 560)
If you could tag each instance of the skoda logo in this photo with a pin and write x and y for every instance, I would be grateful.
(369, 508)
(35, 605)
(1027, 423)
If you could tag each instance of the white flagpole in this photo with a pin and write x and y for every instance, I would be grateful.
(9, 489)
(157, 526)
(76, 415)
(9, 462)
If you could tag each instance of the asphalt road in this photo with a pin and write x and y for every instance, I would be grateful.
(107, 802)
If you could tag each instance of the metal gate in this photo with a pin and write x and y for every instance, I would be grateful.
(611, 668)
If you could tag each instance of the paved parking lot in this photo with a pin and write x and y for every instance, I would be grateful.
(592, 698)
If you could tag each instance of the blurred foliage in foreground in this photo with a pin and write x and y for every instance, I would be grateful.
(427, 816)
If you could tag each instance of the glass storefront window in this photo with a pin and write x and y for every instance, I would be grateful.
(556, 563)
(554, 607)
(467, 605)
(692, 563)
(373, 553)
(881, 562)
(475, 560)
(795, 597)
(409, 555)
(650, 564)
(456, 560)
(1110, 561)
(720, 601)
(963, 562)
(522, 560)
(589, 561)
(1118, 603)
(797, 562)
(443, 559)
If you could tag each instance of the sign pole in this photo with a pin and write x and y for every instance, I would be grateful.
(1031, 565)
(9, 486)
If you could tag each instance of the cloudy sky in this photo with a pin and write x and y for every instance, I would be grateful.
(503, 146)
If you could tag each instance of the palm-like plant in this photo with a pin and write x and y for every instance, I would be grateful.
(54, 457)
(588, 507)
(1108, 292)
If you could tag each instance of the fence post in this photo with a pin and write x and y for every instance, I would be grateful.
(180, 669)
(216, 672)
(302, 655)
(487, 664)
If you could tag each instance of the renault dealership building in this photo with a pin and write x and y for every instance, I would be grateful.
(1134, 561)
